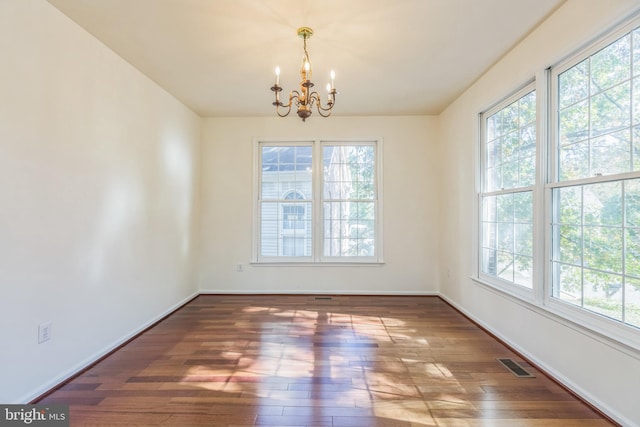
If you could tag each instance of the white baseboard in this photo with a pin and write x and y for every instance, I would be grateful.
(557, 376)
(98, 355)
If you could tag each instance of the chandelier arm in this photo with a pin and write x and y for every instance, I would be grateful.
(288, 107)
(320, 111)
(295, 96)
(320, 108)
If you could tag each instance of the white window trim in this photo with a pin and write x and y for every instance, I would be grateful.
(623, 337)
(317, 258)
(613, 330)
(505, 286)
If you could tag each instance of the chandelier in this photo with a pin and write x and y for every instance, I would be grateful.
(305, 99)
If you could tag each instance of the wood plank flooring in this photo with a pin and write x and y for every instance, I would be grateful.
(233, 361)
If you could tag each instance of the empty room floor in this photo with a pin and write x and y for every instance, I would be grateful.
(285, 360)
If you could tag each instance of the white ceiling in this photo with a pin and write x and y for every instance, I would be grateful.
(391, 57)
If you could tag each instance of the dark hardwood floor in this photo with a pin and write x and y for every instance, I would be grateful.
(301, 361)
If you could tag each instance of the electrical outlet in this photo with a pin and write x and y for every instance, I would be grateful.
(44, 332)
(239, 268)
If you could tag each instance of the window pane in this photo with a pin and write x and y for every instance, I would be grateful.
(504, 208)
(610, 110)
(635, 35)
(632, 202)
(570, 249)
(489, 235)
(611, 65)
(285, 169)
(489, 257)
(509, 175)
(349, 172)
(527, 106)
(349, 207)
(569, 205)
(523, 271)
(349, 229)
(603, 293)
(524, 239)
(599, 249)
(597, 108)
(635, 101)
(509, 145)
(574, 84)
(632, 260)
(523, 206)
(574, 123)
(507, 237)
(632, 302)
(603, 203)
(527, 141)
(574, 161)
(270, 244)
(569, 285)
(285, 229)
(611, 154)
(489, 208)
(504, 265)
(603, 248)
(636, 147)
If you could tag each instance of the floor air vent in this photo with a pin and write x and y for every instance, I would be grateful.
(516, 369)
(324, 298)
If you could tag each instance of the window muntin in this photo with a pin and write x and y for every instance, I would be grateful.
(595, 193)
(506, 199)
(318, 201)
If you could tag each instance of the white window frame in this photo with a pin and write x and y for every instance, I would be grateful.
(625, 334)
(508, 287)
(317, 257)
(623, 337)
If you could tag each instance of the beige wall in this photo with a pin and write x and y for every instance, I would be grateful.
(605, 374)
(103, 176)
(97, 194)
(410, 177)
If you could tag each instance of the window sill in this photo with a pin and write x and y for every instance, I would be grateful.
(316, 264)
(618, 336)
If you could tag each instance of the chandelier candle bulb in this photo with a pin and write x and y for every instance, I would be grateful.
(333, 78)
(277, 76)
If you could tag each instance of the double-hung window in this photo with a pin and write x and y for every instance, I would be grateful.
(595, 179)
(318, 201)
(508, 177)
(575, 198)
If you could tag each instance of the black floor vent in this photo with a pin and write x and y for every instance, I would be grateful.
(516, 369)
(324, 298)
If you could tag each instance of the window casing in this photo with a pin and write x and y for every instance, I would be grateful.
(585, 201)
(318, 202)
(595, 180)
(508, 177)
